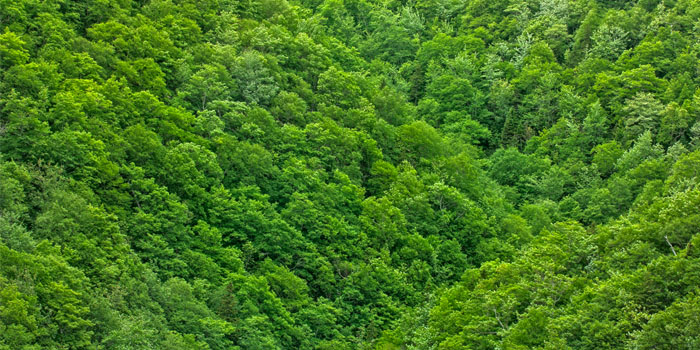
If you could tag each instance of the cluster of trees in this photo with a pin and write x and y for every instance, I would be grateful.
(349, 174)
(593, 113)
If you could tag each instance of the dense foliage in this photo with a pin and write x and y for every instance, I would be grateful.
(349, 174)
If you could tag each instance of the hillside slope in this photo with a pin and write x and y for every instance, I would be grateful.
(349, 174)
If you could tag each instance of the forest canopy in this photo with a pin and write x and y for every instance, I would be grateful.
(349, 174)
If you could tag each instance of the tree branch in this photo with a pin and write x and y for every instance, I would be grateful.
(671, 245)
(498, 319)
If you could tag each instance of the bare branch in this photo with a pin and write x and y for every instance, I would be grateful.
(498, 319)
(671, 245)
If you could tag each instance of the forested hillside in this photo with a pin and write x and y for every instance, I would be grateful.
(349, 174)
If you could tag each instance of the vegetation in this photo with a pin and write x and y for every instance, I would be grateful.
(349, 174)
